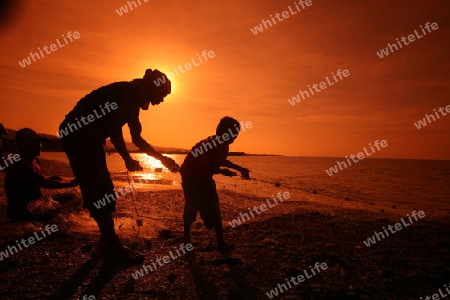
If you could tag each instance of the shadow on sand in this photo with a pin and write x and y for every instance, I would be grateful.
(106, 273)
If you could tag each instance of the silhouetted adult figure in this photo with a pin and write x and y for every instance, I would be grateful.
(96, 117)
(23, 180)
(3, 131)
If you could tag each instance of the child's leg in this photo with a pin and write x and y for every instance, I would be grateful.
(219, 235)
(189, 217)
(187, 231)
(210, 212)
(190, 210)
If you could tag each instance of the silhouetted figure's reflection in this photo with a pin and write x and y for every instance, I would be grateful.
(23, 180)
(96, 117)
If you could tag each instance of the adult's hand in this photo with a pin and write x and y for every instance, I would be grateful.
(133, 165)
(170, 164)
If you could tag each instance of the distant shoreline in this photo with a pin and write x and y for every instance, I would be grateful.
(253, 154)
(54, 145)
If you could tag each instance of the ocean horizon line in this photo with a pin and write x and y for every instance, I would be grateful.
(271, 155)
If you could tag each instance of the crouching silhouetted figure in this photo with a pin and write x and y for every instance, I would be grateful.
(23, 180)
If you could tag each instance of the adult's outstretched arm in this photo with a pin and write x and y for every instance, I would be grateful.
(135, 131)
(119, 143)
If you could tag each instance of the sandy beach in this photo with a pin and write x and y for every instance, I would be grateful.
(276, 244)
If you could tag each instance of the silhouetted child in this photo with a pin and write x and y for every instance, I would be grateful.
(23, 180)
(100, 115)
(197, 170)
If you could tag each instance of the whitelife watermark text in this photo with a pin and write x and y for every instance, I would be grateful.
(10, 158)
(437, 296)
(323, 85)
(161, 261)
(86, 297)
(53, 47)
(262, 208)
(220, 139)
(398, 226)
(187, 67)
(31, 240)
(360, 155)
(111, 197)
(124, 9)
(296, 280)
(423, 123)
(411, 38)
(284, 15)
(86, 120)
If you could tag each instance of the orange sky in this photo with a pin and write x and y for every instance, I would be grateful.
(251, 76)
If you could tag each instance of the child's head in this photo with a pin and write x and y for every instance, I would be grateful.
(229, 126)
(28, 143)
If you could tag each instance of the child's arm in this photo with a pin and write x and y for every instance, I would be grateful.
(244, 171)
(53, 184)
(227, 172)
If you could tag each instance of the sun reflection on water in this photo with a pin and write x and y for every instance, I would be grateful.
(154, 170)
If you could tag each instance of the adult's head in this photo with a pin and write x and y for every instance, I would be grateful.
(229, 126)
(158, 86)
(28, 142)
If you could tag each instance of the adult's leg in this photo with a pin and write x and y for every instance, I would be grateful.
(88, 162)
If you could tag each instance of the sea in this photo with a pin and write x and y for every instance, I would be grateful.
(385, 183)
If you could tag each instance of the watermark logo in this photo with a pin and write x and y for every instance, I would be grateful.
(53, 47)
(411, 38)
(297, 280)
(86, 297)
(398, 226)
(360, 155)
(113, 197)
(423, 123)
(284, 15)
(439, 296)
(323, 85)
(124, 9)
(187, 67)
(10, 158)
(161, 261)
(86, 120)
(262, 208)
(31, 240)
(220, 139)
